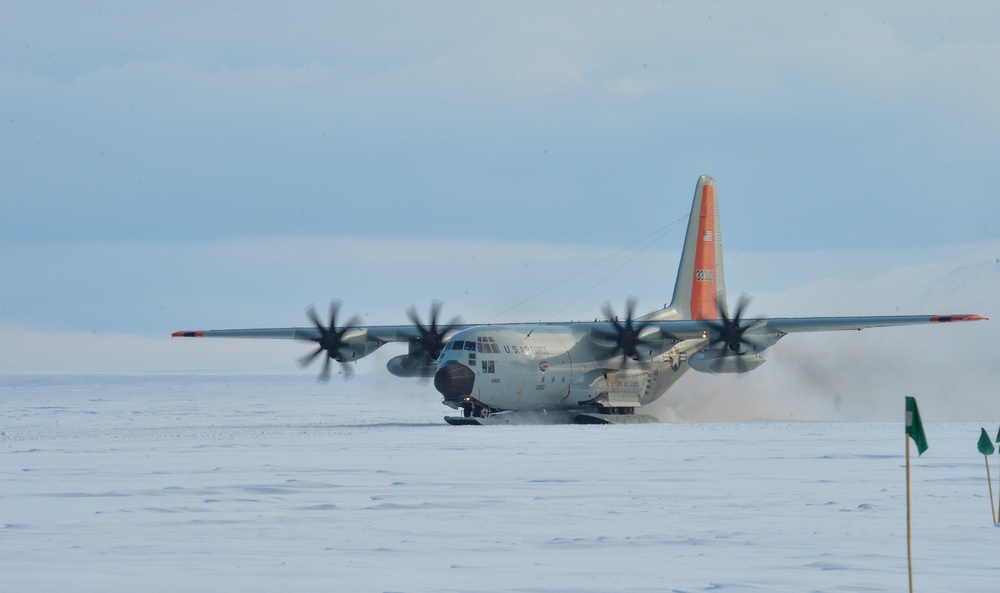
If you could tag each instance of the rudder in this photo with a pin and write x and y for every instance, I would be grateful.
(700, 288)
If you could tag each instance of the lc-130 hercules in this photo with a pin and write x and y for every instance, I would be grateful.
(583, 372)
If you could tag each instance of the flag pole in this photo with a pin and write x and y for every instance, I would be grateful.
(909, 549)
(995, 519)
(990, 482)
(915, 431)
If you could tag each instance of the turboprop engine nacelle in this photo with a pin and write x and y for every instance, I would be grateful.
(724, 361)
(355, 344)
(407, 365)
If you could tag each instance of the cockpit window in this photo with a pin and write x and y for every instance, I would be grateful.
(488, 344)
(470, 345)
(457, 345)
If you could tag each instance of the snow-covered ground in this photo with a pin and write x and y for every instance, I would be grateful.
(272, 482)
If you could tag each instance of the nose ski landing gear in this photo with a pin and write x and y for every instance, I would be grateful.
(473, 412)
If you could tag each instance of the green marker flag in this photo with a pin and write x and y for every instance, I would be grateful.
(985, 445)
(914, 428)
(986, 448)
(998, 435)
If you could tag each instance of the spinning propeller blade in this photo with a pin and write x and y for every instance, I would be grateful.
(730, 331)
(431, 339)
(330, 341)
(626, 336)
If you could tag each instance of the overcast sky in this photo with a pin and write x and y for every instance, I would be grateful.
(168, 166)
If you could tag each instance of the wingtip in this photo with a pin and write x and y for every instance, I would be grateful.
(187, 334)
(951, 318)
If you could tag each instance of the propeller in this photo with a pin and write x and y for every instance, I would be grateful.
(330, 340)
(626, 335)
(431, 338)
(730, 331)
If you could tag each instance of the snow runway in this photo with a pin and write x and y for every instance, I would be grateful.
(263, 483)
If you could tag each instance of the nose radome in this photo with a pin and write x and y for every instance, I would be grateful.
(454, 380)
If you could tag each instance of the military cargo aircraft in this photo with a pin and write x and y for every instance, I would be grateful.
(596, 372)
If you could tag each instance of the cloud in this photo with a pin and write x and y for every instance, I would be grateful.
(174, 124)
(330, 66)
(151, 287)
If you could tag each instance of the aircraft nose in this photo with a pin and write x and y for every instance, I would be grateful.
(454, 380)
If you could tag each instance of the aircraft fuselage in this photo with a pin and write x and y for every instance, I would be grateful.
(551, 367)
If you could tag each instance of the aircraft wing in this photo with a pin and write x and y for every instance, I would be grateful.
(733, 345)
(814, 324)
(722, 343)
(349, 340)
(383, 333)
(689, 329)
(684, 329)
(353, 341)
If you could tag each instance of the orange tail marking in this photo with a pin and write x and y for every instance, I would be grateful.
(703, 305)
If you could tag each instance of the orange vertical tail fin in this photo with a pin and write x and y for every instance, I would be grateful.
(701, 286)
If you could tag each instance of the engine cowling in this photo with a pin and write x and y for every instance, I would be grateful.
(724, 361)
(407, 365)
(355, 344)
